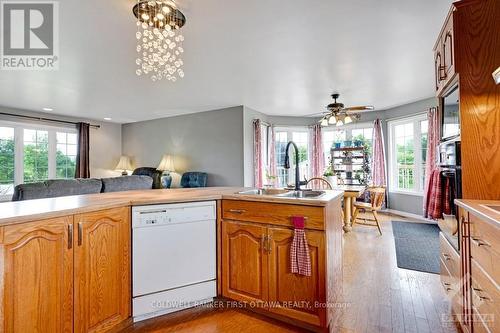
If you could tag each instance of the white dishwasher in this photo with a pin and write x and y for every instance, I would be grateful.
(173, 257)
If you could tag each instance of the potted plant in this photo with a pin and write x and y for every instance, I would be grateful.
(330, 175)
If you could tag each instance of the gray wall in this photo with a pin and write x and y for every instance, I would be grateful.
(105, 143)
(210, 141)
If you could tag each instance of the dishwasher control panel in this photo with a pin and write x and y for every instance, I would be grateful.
(149, 216)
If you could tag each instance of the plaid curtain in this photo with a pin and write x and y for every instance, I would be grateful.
(378, 155)
(317, 165)
(432, 142)
(257, 155)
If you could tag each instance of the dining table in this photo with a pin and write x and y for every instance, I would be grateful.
(351, 192)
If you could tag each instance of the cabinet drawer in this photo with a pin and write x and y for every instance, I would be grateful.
(485, 297)
(271, 213)
(449, 257)
(446, 279)
(484, 243)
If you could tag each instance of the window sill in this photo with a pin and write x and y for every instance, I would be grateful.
(5, 198)
(417, 194)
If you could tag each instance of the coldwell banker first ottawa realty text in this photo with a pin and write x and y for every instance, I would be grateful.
(29, 35)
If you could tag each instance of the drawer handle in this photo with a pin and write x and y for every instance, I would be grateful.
(70, 236)
(263, 242)
(446, 256)
(480, 242)
(237, 211)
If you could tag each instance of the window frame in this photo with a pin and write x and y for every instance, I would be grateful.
(289, 134)
(417, 152)
(19, 128)
(348, 134)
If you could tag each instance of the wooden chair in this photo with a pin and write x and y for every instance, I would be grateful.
(377, 196)
(318, 183)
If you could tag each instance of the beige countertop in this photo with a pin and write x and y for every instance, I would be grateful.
(482, 209)
(31, 210)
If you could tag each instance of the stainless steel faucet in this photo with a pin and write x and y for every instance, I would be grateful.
(287, 163)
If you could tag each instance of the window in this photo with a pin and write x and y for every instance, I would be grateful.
(357, 132)
(35, 153)
(408, 149)
(6, 160)
(300, 136)
(66, 154)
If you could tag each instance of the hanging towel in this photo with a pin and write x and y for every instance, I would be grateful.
(299, 251)
(436, 196)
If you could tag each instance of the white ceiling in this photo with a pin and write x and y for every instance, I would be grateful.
(280, 57)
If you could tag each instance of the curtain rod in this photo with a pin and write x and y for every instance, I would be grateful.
(407, 116)
(45, 119)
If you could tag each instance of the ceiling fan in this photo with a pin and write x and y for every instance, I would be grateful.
(339, 115)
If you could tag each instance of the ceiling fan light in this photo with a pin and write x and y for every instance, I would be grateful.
(339, 123)
(332, 120)
(347, 120)
(324, 122)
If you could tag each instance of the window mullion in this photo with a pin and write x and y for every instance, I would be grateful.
(18, 156)
(52, 154)
(418, 154)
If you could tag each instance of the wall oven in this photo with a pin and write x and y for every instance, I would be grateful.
(451, 182)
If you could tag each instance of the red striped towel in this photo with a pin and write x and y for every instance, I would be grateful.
(436, 196)
(299, 252)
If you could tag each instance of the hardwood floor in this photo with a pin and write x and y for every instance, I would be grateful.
(378, 297)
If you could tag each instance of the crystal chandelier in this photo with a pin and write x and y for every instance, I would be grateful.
(159, 42)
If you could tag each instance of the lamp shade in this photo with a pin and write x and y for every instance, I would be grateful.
(124, 163)
(166, 164)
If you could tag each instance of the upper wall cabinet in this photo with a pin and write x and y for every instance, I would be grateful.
(444, 55)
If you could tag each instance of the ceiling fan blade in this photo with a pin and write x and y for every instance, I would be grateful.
(318, 114)
(360, 108)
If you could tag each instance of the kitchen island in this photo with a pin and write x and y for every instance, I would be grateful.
(66, 262)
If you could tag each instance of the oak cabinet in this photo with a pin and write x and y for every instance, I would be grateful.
(256, 268)
(444, 55)
(295, 295)
(102, 269)
(66, 274)
(246, 276)
(37, 276)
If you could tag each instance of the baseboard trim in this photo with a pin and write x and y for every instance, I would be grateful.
(394, 212)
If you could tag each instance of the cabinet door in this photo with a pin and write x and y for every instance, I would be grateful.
(448, 50)
(296, 295)
(244, 262)
(102, 269)
(38, 276)
(438, 66)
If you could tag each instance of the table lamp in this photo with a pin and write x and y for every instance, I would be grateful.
(166, 166)
(124, 165)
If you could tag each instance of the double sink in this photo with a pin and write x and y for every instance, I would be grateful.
(283, 193)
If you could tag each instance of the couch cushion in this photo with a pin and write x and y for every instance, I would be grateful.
(194, 179)
(127, 183)
(56, 188)
(151, 172)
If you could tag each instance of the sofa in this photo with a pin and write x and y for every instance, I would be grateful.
(194, 179)
(65, 187)
(151, 172)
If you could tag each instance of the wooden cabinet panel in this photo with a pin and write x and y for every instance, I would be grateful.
(294, 295)
(272, 213)
(448, 49)
(245, 266)
(485, 246)
(449, 256)
(102, 269)
(485, 298)
(38, 276)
